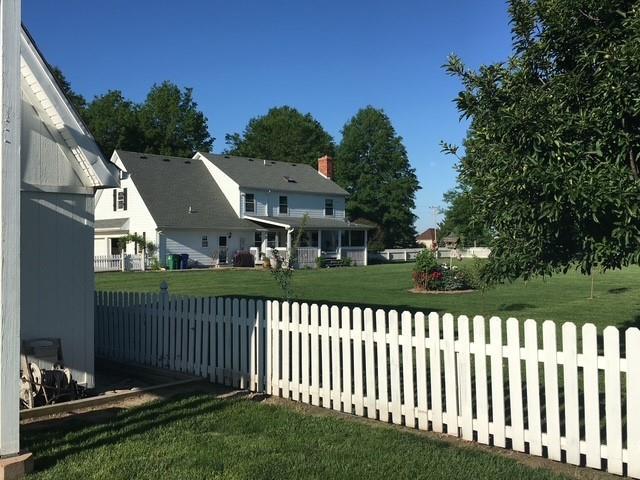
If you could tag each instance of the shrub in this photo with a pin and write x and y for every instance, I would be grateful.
(243, 259)
(473, 273)
(453, 279)
(266, 262)
(425, 262)
(321, 262)
(345, 262)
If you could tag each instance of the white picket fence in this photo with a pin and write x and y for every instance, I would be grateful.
(116, 263)
(493, 382)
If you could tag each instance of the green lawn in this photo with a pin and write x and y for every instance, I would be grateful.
(562, 298)
(200, 437)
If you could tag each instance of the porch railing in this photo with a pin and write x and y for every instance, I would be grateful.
(307, 256)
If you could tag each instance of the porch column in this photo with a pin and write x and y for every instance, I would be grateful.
(339, 244)
(366, 249)
(289, 252)
(10, 228)
(319, 243)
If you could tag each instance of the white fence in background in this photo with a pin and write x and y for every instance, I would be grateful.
(471, 252)
(410, 254)
(118, 263)
(560, 393)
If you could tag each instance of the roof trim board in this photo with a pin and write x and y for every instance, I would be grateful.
(36, 73)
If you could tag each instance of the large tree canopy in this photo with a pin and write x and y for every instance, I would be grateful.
(168, 122)
(171, 122)
(282, 134)
(459, 220)
(551, 156)
(113, 121)
(372, 165)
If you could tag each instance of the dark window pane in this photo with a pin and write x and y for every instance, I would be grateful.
(249, 203)
(357, 238)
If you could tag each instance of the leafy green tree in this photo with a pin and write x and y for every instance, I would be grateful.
(113, 120)
(282, 134)
(552, 153)
(77, 100)
(459, 219)
(372, 165)
(171, 123)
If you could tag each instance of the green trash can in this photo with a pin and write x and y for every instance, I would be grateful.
(172, 262)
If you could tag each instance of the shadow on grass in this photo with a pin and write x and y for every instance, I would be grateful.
(92, 430)
(617, 291)
(515, 307)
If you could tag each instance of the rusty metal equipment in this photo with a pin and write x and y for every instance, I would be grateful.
(44, 380)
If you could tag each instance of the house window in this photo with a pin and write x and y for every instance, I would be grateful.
(249, 203)
(119, 199)
(205, 241)
(328, 207)
(271, 240)
(257, 239)
(284, 205)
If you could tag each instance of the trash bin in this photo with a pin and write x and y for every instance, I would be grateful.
(172, 262)
(184, 261)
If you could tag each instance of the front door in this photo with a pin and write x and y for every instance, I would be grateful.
(329, 242)
(222, 249)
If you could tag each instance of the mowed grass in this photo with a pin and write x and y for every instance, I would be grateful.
(201, 437)
(562, 298)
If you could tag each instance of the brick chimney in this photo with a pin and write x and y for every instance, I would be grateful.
(325, 167)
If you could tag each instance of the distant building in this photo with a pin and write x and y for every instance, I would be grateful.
(212, 206)
(428, 237)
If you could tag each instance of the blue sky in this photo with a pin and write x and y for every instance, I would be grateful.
(328, 58)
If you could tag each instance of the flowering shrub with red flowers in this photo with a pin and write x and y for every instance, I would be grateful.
(428, 274)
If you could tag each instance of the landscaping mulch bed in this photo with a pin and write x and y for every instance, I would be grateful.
(439, 292)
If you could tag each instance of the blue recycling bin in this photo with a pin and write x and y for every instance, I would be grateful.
(184, 261)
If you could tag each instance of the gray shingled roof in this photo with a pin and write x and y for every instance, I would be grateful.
(170, 185)
(295, 222)
(267, 174)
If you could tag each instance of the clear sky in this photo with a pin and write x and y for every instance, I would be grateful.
(328, 58)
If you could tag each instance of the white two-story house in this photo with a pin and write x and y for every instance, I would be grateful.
(212, 206)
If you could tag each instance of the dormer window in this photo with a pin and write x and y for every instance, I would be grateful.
(249, 203)
(284, 205)
(328, 207)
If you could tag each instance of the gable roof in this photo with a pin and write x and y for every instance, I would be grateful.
(171, 187)
(263, 174)
(428, 234)
(37, 75)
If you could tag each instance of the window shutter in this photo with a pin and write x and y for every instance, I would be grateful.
(115, 199)
(124, 190)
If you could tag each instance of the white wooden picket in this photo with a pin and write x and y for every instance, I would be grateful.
(557, 391)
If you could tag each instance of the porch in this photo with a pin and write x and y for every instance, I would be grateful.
(332, 239)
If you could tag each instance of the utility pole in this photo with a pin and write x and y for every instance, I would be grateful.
(435, 211)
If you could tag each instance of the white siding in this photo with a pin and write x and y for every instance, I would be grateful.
(46, 160)
(140, 220)
(229, 188)
(268, 204)
(57, 275)
(190, 242)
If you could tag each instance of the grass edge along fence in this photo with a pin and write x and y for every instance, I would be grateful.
(493, 382)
